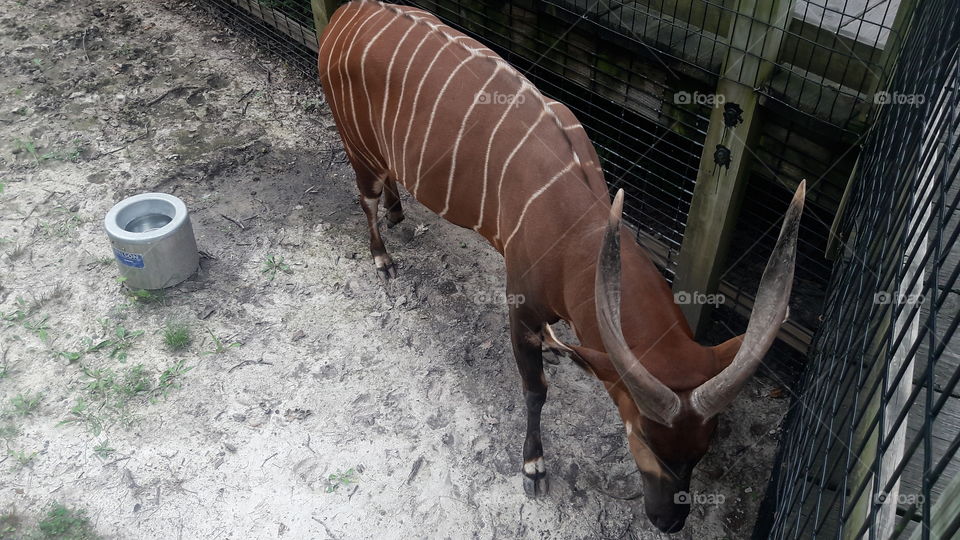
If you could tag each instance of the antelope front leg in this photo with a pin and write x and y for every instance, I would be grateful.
(525, 335)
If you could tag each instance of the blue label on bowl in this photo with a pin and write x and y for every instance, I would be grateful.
(130, 259)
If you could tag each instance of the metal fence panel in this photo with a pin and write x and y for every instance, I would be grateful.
(872, 442)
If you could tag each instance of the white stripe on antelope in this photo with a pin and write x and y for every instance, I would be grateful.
(419, 104)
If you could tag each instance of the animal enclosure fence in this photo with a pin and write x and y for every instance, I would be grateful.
(719, 108)
(871, 444)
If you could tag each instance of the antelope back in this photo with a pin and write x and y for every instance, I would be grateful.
(463, 131)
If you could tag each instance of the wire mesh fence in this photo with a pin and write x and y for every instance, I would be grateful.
(283, 27)
(871, 444)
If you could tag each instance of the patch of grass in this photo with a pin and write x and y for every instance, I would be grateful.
(170, 378)
(28, 146)
(25, 404)
(38, 326)
(23, 316)
(340, 478)
(80, 413)
(110, 396)
(118, 340)
(22, 458)
(65, 523)
(65, 227)
(176, 336)
(219, 347)
(103, 449)
(9, 431)
(273, 264)
(143, 296)
(9, 524)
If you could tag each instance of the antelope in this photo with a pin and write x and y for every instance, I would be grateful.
(420, 104)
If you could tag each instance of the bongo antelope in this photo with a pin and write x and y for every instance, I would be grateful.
(420, 104)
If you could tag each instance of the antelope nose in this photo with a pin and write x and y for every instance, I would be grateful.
(668, 523)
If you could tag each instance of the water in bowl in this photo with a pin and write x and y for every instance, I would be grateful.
(147, 223)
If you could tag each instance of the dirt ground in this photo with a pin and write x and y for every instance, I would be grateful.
(312, 402)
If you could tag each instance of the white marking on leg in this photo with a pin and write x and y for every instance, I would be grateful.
(534, 466)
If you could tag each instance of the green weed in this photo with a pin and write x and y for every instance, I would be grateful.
(340, 478)
(65, 523)
(176, 336)
(25, 404)
(273, 264)
(219, 347)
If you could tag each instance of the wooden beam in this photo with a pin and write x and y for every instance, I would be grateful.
(322, 11)
(755, 37)
(945, 514)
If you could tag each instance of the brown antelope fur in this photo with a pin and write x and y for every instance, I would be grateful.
(420, 104)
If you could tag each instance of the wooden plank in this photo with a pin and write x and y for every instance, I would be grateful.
(944, 514)
(719, 189)
(285, 25)
(322, 11)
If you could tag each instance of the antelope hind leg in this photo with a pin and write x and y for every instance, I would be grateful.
(525, 336)
(371, 185)
(391, 201)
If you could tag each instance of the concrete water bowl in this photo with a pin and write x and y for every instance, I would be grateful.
(152, 240)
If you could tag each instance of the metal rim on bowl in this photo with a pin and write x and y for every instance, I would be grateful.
(120, 216)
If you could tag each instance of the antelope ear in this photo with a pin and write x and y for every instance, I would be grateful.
(727, 351)
(596, 362)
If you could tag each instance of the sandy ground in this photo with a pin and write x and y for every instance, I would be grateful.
(408, 394)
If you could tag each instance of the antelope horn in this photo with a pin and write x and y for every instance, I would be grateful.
(769, 311)
(653, 398)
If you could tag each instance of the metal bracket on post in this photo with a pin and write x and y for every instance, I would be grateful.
(754, 42)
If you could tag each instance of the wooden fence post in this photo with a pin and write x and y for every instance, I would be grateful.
(322, 10)
(755, 37)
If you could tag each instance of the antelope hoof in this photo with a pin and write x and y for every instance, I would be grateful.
(535, 483)
(386, 270)
(394, 219)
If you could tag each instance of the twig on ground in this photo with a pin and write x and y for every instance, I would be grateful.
(324, 525)
(235, 222)
(161, 97)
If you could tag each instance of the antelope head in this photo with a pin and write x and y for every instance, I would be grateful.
(670, 429)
